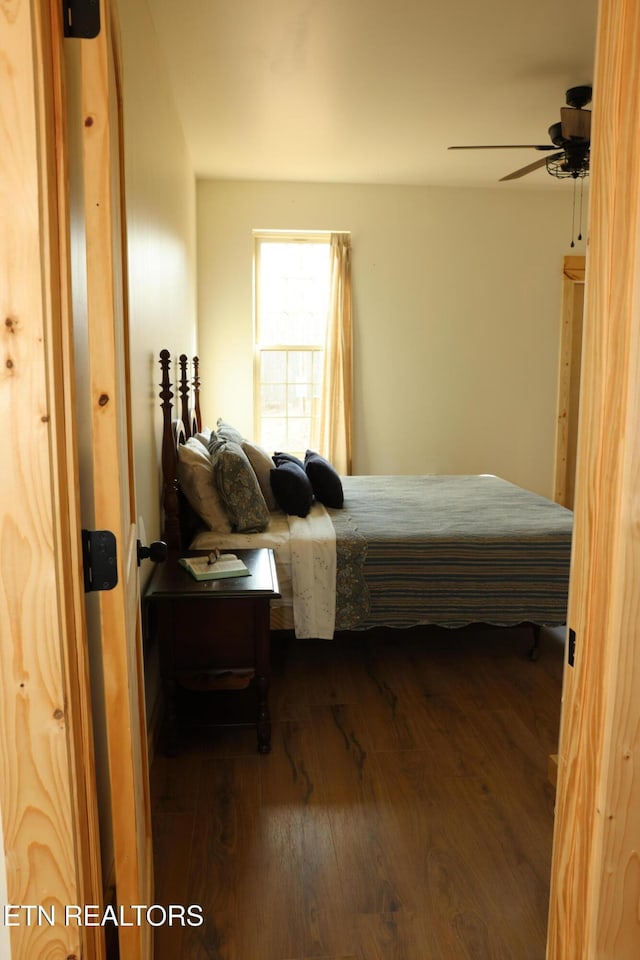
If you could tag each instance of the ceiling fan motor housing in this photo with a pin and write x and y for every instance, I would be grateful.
(579, 97)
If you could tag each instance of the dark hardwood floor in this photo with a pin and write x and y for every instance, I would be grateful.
(403, 814)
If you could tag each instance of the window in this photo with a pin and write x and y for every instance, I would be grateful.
(291, 300)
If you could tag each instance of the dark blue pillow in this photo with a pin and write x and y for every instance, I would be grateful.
(325, 480)
(279, 458)
(292, 488)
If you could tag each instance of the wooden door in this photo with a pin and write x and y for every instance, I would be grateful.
(595, 884)
(47, 773)
(47, 768)
(113, 505)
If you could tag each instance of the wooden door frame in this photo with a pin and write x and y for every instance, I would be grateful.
(573, 281)
(47, 770)
(120, 609)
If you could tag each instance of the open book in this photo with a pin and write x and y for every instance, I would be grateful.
(207, 568)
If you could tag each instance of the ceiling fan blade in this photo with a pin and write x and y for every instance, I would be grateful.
(508, 146)
(523, 171)
(576, 124)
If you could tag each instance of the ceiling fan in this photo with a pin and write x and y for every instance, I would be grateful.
(571, 137)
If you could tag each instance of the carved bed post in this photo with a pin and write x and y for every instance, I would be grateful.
(184, 394)
(196, 392)
(170, 504)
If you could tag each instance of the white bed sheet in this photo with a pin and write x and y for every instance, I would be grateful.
(305, 556)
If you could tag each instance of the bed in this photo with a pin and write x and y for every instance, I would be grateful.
(401, 551)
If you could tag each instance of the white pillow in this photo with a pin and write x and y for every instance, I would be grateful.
(197, 482)
(204, 436)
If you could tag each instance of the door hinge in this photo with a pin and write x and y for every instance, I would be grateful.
(571, 651)
(81, 18)
(99, 560)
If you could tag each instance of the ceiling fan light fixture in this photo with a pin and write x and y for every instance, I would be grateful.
(567, 166)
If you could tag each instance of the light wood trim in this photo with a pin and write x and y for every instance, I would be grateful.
(68, 518)
(118, 121)
(573, 282)
(115, 505)
(595, 887)
(46, 756)
(574, 267)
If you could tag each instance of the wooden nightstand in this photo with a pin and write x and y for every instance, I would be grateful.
(214, 645)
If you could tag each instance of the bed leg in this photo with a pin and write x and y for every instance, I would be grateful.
(534, 650)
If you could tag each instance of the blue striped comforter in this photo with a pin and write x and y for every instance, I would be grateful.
(453, 550)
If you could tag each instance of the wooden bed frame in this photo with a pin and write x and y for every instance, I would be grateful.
(180, 522)
(179, 519)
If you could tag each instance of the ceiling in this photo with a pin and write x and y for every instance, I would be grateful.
(371, 92)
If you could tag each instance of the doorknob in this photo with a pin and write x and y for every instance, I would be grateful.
(156, 551)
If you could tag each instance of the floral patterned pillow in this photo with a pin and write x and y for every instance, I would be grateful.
(226, 431)
(238, 486)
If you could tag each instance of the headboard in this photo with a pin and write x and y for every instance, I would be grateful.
(180, 521)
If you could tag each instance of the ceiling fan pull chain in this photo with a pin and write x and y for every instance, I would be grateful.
(573, 214)
(581, 195)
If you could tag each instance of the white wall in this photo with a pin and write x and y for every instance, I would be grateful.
(161, 223)
(457, 313)
(161, 229)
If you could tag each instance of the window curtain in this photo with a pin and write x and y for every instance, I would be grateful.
(337, 380)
